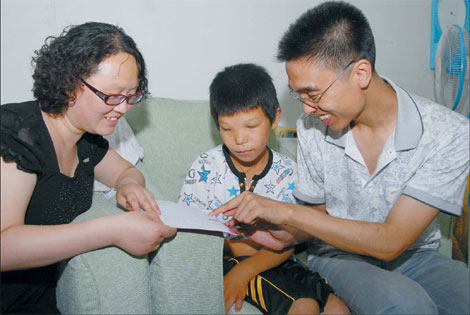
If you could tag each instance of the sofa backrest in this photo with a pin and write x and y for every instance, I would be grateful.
(173, 134)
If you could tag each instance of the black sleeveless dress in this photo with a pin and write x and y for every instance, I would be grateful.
(56, 199)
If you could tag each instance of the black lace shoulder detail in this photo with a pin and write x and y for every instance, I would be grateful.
(93, 146)
(21, 133)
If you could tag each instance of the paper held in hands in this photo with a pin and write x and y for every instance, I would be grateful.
(184, 217)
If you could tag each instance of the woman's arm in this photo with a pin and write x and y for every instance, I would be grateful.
(27, 246)
(114, 171)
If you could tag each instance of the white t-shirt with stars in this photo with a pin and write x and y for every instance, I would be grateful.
(213, 180)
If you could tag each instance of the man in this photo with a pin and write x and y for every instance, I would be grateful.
(374, 171)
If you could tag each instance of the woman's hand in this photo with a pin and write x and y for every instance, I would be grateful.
(140, 232)
(114, 171)
(134, 196)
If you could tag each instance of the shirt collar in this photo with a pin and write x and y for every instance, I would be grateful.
(408, 130)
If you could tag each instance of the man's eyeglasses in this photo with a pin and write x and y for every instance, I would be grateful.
(312, 100)
(115, 99)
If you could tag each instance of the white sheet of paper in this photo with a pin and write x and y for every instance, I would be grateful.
(184, 217)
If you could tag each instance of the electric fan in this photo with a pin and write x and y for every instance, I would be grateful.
(451, 70)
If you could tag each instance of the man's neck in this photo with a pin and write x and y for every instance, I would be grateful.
(380, 110)
(377, 121)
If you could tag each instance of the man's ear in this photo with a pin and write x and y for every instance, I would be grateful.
(362, 73)
(277, 118)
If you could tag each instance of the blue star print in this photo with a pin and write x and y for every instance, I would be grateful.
(291, 186)
(285, 197)
(233, 191)
(216, 179)
(188, 199)
(277, 166)
(270, 188)
(212, 204)
(203, 174)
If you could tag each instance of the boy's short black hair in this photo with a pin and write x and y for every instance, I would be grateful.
(333, 33)
(242, 87)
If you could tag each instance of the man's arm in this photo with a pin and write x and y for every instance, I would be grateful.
(405, 222)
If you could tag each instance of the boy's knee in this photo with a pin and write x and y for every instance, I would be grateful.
(304, 306)
(335, 306)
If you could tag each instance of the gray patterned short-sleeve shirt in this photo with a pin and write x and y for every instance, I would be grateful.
(426, 158)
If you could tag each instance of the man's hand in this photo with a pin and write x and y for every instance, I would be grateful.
(274, 238)
(249, 208)
(265, 217)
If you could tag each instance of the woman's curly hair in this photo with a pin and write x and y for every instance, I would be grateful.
(75, 54)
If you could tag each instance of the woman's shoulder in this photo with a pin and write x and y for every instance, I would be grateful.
(15, 113)
(22, 135)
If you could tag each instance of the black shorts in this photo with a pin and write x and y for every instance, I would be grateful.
(273, 291)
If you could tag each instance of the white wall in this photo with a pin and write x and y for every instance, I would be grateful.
(185, 43)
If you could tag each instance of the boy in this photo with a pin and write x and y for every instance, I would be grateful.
(377, 163)
(245, 109)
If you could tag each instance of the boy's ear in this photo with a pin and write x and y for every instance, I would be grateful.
(277, 118)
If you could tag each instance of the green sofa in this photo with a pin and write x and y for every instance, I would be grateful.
(185, 275)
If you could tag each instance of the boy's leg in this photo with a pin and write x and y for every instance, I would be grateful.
(275, 290)
(304, 306)
(228, 264)
(445, 280)
(291, 287)
(365, 287)
(335, 306)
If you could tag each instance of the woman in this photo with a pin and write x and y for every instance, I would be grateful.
(51, 148)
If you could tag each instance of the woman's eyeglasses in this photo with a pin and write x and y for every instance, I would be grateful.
(115, 99)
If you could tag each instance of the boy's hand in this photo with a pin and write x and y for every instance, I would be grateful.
(235, 286)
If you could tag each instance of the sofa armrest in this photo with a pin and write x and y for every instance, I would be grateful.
(104, 281)
(184, 275)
